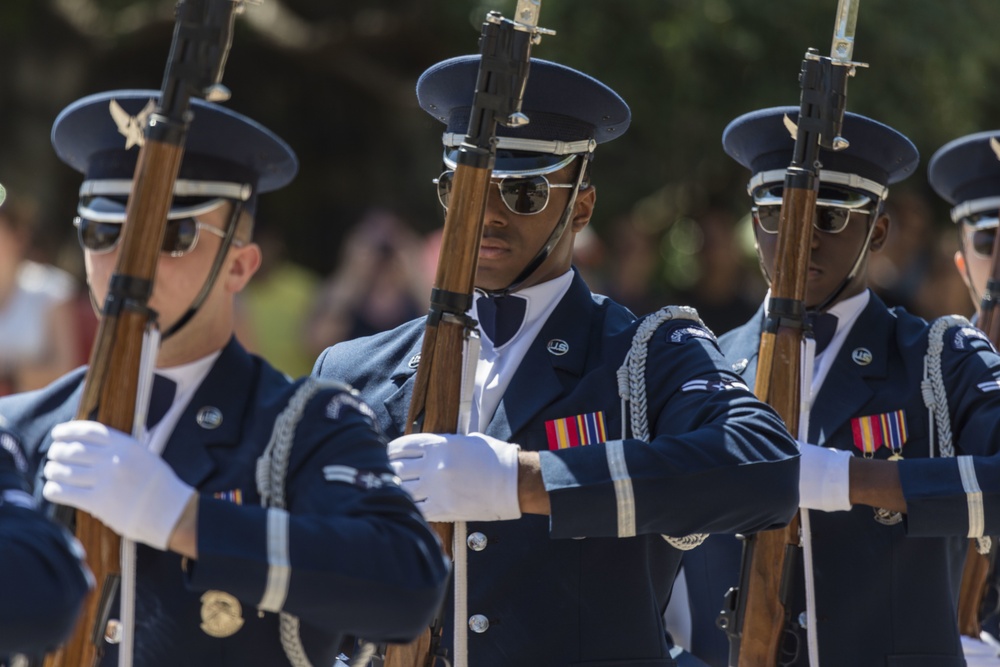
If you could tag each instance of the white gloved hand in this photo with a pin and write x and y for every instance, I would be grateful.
(114, 477)
(824, 482)
(458, 477)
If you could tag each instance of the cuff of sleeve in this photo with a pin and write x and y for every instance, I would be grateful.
(824, 479)
(509, 505)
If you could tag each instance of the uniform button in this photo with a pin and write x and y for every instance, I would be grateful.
(477, 541)
(479, 623)
(113, 631)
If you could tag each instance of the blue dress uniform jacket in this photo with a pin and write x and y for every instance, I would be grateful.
(886, 595)
(360, 559)
(42, 576)
(720, 461)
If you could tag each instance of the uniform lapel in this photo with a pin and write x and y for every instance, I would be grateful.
(397, 404)
(742, 346)
(559, 349)
(187, 450)
(847, 388)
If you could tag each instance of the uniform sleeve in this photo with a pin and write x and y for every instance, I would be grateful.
(960, 495)
(718, 460)
(42, 575)
(350, 552)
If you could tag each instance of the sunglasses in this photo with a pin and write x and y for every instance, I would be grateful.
(829, 218)
(979, 233)
(524, 195)
(179, 238)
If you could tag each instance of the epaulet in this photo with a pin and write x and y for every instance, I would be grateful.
(965, 337)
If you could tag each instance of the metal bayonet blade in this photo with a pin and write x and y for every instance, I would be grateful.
(843, 32)
(527, 12)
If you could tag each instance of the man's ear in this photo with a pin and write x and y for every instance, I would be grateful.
(880, 234)
(243, 264)
(960, 263)
(584, 208)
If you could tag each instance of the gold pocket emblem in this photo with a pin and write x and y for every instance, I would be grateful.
(221, 614)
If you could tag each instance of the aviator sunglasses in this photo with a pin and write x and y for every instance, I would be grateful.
(979, 232)
(833, 208)
(179, 238)
(524, 195)
(829, 218)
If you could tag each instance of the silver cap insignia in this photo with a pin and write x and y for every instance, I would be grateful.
(131, 127)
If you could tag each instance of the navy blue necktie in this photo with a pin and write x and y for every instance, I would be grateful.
(824, 325)
(501, 316)
(160, 399)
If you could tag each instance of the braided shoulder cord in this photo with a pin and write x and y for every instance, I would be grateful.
(632, 390)
(272, 469)
(936, 398)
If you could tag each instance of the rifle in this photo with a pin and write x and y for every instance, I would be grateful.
(757, 612)
(201, 41)
(979, 566)
(448, 356)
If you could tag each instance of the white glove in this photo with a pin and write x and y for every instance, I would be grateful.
(458, 477)
(824, 482)
(114, 477)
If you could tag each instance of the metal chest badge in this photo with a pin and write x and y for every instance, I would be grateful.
(221, 614)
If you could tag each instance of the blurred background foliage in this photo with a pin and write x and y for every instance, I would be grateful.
(336, 80)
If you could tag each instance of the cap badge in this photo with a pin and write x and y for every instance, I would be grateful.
(131, 127)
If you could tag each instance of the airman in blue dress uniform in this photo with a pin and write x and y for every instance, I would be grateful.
(42, 573)
(966, 173)
(222, 575)
(566, 563)
(891, 487)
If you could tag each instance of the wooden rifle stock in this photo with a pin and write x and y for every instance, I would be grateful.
(435, 407)
(437, 391)
(762, 598)
(111, 385)
(202, 36)
(977, 569)
(778, 384)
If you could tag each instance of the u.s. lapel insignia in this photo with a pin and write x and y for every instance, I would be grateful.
(414, 361)
(209, 417)
(557, 347)
(221, 614)
(131, 127)
(740, 365)
(862, 356)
